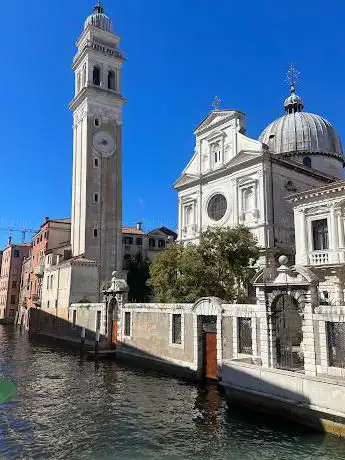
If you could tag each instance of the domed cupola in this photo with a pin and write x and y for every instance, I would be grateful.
(301, 136)
(99, 19)
(293, 103)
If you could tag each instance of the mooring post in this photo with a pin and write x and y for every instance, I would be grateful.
(97, 343)
(82, 340)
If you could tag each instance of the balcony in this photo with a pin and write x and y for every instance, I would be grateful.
(327, 257)
(319, 258)
(39, 271)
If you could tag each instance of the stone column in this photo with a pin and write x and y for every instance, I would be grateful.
(308, 333)
(323, 346)
(341, 236)
(340, 230)
(264, 331)
(180, 218)
(235, 201)
(301, 239)
(334, 236)
(338, 291)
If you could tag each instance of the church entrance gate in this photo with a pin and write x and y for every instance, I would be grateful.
(288, 323)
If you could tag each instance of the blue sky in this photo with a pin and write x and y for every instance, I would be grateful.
(180, 55)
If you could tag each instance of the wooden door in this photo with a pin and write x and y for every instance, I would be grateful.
(210, 355)
(114, 334)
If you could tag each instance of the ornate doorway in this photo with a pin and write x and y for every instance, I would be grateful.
(287, 319)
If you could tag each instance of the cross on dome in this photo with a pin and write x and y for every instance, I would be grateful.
(216, 103)
(293, 103)
(292, 77)
(99, 8)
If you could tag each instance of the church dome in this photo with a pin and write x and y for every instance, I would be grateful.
(99, 19)
(301, 132)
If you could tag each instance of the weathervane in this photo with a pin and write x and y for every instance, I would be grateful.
(291, 77)
(216, 103)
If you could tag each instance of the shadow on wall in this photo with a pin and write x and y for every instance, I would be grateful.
(46, 323)
(243, 388)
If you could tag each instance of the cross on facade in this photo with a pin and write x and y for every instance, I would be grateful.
(216, 103)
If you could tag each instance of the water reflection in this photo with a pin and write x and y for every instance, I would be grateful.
(67, 408)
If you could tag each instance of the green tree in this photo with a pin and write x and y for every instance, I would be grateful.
(138, 274)
(220, 265)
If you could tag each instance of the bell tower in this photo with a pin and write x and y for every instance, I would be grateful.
(97, 151)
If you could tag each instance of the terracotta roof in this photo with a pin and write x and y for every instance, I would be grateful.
(132, 230)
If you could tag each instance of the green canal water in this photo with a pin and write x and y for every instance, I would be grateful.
(66, 408)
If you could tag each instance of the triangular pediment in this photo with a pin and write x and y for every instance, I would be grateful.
(185, 179)
(214, 117)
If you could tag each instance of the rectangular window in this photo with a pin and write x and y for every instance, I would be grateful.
(139, 241)
(176, 332)
(128, 240)
(152, 242)
(98, 320)
(16, 253)
(245, 336)
(127, 330)
(51, 282)
(47, 282)
(336, 344)
(48, 304)
(320, 235)
(161, 243)
(13, 299)
(95, 233)
(74, 319)
(95, 197)
(95, 163)
(14, 284)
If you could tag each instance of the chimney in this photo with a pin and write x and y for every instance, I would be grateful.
(139, 225)
(9, 242)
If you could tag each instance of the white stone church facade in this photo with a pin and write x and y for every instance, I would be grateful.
(233, 180)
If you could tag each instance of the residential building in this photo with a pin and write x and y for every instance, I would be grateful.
(135, 240)
(25, 282)
(10, 277)
(52, 233)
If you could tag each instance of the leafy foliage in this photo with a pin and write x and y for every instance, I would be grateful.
(220, 265)
(138, 274)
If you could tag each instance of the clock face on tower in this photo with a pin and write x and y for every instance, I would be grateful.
(104, 143)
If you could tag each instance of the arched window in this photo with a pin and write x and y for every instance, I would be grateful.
(307, 162)
(248, 201)
(111, 80)
(96, 76)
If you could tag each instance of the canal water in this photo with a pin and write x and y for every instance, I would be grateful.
(66, 408)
